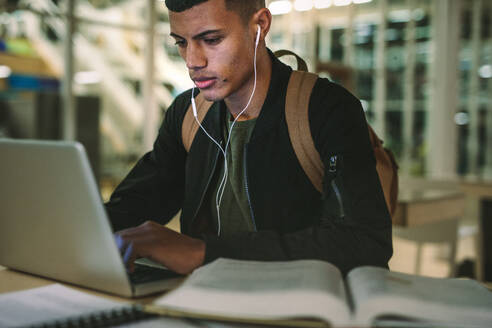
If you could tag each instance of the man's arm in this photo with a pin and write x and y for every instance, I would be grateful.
(154, 188)
(153, 192)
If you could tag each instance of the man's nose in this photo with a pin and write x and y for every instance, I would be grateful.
(195, 58)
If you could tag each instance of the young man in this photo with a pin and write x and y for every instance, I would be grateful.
(269, 209)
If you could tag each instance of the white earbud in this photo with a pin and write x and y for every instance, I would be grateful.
(258, 33)
(193, 104)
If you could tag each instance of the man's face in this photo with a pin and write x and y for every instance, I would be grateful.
(217, 46)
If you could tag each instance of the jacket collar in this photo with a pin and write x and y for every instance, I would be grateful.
(272, 110)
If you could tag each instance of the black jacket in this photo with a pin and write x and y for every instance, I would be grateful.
(348, 225)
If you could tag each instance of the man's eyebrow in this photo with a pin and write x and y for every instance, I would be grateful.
(198, 36)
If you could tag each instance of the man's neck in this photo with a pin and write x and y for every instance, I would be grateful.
(236, 103)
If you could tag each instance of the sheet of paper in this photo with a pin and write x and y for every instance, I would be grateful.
(48, 303)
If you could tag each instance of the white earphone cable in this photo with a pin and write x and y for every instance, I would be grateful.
(218, 200)
(222, 185)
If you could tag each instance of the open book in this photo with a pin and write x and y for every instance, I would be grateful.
(313, 293)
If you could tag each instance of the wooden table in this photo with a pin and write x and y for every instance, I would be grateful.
(482, 190)
(417, 206)
(12, 281)
(477, 187)
(426, 215)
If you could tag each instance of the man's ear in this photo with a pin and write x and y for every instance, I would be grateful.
(263, 18)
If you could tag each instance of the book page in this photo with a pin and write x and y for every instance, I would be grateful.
(378, 292)
(263, 290)
(53, 302)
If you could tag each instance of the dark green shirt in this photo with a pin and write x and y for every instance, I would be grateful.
(235, 212)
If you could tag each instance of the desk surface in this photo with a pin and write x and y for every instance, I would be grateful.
(482, 190)
(419, 206)
(478, 188)
(12, 281)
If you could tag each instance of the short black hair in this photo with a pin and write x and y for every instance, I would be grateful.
(244, 8)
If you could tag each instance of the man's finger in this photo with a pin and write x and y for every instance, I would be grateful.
(129, 257)
(121, 243)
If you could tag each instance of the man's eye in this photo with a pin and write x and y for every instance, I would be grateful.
(212, 40)
(179, 43)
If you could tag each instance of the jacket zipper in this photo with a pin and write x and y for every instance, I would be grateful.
(206, 186)
(333, 169)
(247, 187)
(339, 197)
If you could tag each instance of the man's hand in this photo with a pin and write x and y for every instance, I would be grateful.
(178, 252)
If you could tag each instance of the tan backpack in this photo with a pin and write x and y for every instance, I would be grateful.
(296, 111)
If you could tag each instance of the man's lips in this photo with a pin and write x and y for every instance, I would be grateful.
(204, 83)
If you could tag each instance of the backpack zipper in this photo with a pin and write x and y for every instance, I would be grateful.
(247, 188)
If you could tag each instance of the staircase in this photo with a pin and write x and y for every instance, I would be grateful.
(117, 56)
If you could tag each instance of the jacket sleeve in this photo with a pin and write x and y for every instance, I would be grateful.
(355, 227)
(154, 188)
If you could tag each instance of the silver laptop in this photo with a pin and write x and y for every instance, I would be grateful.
(53, 222)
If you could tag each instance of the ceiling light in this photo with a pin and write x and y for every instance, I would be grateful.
(303, 5)
(342, 2)
(280, 7)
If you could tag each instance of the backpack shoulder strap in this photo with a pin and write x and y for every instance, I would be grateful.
(190, 126)
(297, 116)
(301, 64)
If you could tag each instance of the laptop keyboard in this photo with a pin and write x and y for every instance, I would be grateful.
(145, 273)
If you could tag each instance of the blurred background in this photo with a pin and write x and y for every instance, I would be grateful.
(104, 72)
